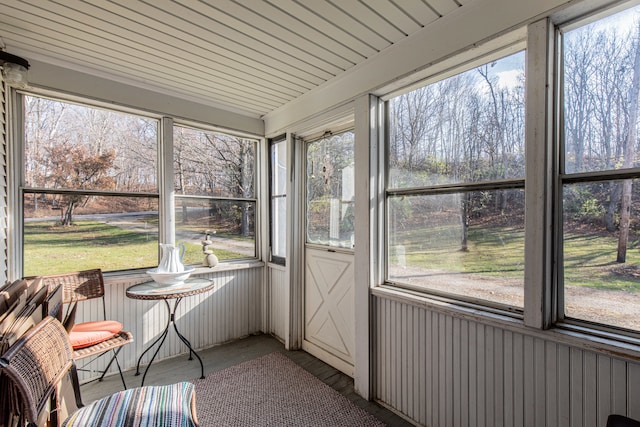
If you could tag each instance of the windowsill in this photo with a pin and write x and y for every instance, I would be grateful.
(140, 276)
(612, 344)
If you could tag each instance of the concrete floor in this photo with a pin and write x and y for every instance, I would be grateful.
(220, 357)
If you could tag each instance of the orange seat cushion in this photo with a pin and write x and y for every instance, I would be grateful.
(90, 333)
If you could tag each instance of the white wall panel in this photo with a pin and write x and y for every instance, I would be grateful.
(230, 311)
(277, 301)
(441, 370)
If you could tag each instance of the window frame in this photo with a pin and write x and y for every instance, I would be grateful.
(165, 194)
(17, 183)
(561, 177)
(462, 66)
(170, 182)
(276, 259)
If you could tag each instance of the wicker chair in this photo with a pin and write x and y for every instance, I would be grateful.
(82, 286)
(40, 362)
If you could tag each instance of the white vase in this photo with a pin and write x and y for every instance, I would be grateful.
(171, 261)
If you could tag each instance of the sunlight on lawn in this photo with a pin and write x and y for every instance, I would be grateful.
(51, 249)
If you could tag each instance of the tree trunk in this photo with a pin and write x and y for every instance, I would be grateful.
(609, 216)
(465, 222)
(246, 230)
(624, 221)
(246, 184)
(185, 213)
(67, 217)
(629, 152)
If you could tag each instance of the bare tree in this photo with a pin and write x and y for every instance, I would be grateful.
(629, 152)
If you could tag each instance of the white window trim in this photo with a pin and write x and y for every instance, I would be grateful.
(539, 176)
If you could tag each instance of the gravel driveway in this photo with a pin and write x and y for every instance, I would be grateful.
(614, 307)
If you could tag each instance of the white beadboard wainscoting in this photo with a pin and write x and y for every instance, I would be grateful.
(277, 301)
(231, 310)
(441, 369)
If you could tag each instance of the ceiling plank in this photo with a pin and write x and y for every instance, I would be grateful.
(165, 44)
(104, 48)
(342, 21)
(326, 27)
(373, 19)
(261, 30)
(302, 30)
(187, 71)
(443, 7)
(204, 94)
(419, 10)
(395, 15)
(146, 20)
(236, 40)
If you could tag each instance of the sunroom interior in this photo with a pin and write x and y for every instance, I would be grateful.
(437, 198)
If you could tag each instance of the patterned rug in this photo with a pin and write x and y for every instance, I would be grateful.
(273, 391)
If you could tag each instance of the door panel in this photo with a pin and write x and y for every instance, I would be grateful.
(329, 303)
(329, 311)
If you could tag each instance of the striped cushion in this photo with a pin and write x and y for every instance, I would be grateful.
(151, 406)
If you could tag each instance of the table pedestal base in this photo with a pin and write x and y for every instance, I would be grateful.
(163, 336)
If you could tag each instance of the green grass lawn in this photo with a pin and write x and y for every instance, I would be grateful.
(489, 251)
(50, 249)
(590, 259)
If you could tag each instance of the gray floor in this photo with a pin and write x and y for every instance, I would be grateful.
(223, 356)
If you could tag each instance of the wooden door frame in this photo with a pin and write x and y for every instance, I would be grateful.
(366, 111)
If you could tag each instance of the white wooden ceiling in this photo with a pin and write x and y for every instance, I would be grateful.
(247, 56)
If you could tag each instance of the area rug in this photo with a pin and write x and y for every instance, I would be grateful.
(273, 391)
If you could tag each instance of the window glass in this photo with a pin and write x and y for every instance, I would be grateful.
(278, 224)
(330, 190)
(599, 176)
(90, 196)
(213, 164)
(69, 146)
(599, 287)
(220, 169)
(107, 232)
(279, 169)
(278, 190)
(466, 128)
(598, 61)
(460, 243)
(231, 222)
(455, 192)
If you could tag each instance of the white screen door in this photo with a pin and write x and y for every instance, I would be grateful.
(329, 275)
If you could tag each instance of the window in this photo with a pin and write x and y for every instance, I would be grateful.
(455, 185)
(278, 194)
(330, 190)
(214, 182)
(89, 193)
(599, 171)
